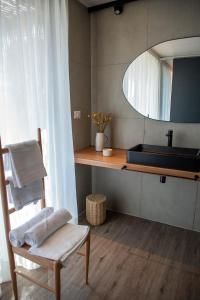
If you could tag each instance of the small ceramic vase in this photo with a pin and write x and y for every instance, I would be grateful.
(99, 141)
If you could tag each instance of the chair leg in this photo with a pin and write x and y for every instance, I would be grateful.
(87, 257)
(57, 280)
(12, 272)
(14, 284)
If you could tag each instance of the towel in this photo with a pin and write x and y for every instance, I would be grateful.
(26, 163)
(16, 235)
(25, 195)
(36, 235)
(62, 243)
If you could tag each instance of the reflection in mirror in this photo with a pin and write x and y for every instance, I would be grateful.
(163, 82)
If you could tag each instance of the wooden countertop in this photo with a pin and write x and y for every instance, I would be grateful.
(90, 157)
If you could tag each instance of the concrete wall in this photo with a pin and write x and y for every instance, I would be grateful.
(115, 42)
(80, 86)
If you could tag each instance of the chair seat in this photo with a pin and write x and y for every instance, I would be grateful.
(24, 252)
(62, 243)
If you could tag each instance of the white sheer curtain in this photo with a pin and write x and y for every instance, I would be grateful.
(142, 84)
(34, 92)
(166, 90)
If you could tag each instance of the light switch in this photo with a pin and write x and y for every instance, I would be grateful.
(77, 114)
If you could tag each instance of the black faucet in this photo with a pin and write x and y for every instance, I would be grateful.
(170, 137)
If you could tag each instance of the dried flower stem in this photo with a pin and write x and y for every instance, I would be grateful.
(101, 120)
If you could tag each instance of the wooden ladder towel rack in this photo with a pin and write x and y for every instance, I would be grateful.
(53, 265)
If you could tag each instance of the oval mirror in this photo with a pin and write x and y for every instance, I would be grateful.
(163, 83)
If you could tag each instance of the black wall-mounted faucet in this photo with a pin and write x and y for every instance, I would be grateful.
(170, 137)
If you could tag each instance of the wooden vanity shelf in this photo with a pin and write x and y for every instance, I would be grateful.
(90, 157)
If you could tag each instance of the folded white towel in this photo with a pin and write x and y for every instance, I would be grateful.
(26, 163)
(27, 194)
(17, 235)
(62, 243)
(36, 235)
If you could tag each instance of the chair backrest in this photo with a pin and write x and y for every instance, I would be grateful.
(4, 183)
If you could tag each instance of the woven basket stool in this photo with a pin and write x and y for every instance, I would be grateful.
(96, 209)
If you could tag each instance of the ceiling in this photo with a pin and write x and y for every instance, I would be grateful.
(177, 48)
(90, 3)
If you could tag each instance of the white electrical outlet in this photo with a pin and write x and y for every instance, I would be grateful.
(77, 114)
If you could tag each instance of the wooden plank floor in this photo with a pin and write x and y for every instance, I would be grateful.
(131, 258)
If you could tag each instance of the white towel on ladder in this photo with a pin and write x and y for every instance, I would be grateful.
(26, 163)
(25, 195)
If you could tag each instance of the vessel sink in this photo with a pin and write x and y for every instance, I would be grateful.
(187, 159)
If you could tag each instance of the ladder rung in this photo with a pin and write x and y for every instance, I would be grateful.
(80, 253)
(43, 285)
(11, 210)
(4, 150)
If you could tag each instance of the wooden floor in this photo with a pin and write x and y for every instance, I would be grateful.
(131, 258)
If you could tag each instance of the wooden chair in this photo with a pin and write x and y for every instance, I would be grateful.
(55, 266)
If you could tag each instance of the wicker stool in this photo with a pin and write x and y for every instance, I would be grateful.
(96, 209)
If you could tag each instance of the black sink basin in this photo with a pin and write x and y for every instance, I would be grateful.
(187, 159)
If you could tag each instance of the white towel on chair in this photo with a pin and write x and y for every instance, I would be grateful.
(36, 235)
(17, 235)
(27, 194)
(62, 243)
(26, 163)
